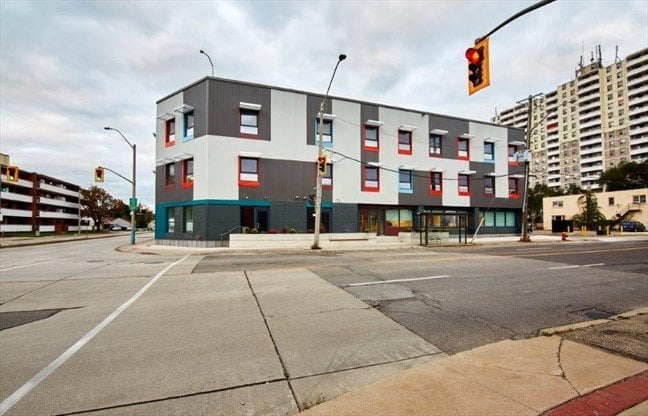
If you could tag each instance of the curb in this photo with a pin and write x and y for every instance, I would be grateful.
(607, 401)
(61, 240)
(557, 330)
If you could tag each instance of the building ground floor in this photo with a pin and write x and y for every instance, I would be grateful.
(215, 220)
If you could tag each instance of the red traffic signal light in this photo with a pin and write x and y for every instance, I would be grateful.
(478, 66)
(99, 175)
(321, 164)
(12, 173)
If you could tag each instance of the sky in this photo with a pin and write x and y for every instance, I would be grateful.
(67, 69)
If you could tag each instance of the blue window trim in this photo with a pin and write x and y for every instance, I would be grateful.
(185, 137)
(316, 124)
(411, 181)
(487, 160)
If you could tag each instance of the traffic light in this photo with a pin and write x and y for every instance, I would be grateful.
(321, 165)
(478, 66)
(99, 175)
(12, 173)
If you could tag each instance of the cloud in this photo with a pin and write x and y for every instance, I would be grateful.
(67, 69)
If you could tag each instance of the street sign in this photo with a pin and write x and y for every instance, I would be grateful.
(132, 204)
(523, 156)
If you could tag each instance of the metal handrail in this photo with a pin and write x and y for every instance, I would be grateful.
(238, 227)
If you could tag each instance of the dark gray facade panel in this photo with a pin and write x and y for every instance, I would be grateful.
(224, 104)
(516, 135)
(289, 215)
(221, 219)
(367, 157)
(196, 96)
(344, 218)
(284, 180)
(312, 110)
(477, 196)
(454, 127)
(175, 194)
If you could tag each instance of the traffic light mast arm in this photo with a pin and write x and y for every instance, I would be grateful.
(121, 176)
(515, 16)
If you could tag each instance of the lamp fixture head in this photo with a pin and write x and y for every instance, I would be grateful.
(342, 57)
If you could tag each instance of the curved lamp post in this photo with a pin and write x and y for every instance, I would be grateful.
(210, 61)
(320, 153)
(134, 196)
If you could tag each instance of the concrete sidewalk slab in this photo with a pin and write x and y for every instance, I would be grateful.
(187, 334)
(327, 329)
(509, 377)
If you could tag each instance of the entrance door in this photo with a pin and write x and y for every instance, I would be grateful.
(262, 219)
(371, 220)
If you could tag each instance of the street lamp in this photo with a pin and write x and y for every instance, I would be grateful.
(210, 61)
(320, 153)
(133, 201)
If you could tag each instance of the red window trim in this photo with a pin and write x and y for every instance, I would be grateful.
(364, 179)
(184, 175)
(364, 131)
(516, 194)
(467, 193)
(512, 163)
(247, 135)
(249, 184)
(432, 191)
(405, 152)
(167, 141)
(467, 157)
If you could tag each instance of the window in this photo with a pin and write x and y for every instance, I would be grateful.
(610, 201)
(464, 184)
(404, 142)
(557, 204)
(327, 178)
(489, 186)
(170, 219)
(169, 133)
(405, 185)
(463, 149)
(188, 219)
(187, 173)
(169, 175)
(489, 152)
(249, 123)
(370, 179)
(514, 184)
(371, 138)
(436, 183)
(327, 131)
(435, 145)
(638, 199)
(248, 172)
(189, 125)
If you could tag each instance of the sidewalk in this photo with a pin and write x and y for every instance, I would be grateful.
(549, 375)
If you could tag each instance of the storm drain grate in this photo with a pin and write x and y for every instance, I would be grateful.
(596, 314)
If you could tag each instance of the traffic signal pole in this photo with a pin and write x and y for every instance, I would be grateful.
(515, 16)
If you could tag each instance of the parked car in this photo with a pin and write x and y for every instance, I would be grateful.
(632, 226)
(117, 228)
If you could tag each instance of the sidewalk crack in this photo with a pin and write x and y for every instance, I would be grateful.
(562, 370)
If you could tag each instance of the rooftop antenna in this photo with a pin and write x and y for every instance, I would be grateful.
(580, 63)
(616, 54)
(598, 51)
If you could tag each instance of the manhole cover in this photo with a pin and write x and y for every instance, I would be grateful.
(596, 314)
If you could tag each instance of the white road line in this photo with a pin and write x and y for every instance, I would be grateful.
(396, 281)
(32, 264)
(576, 266)
(531, 249)
(10, 401)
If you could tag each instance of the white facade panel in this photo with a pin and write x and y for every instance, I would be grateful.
(347, 131)
(288, 126)
(168, 106)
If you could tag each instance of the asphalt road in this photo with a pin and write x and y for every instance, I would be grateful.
(263, 332)
(471, 296)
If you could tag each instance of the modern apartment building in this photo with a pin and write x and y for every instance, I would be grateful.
(37, 203)
(234, 154)
(588, 124)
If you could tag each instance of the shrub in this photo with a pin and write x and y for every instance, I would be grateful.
(292, 231)
(272, 231)
(254, 231)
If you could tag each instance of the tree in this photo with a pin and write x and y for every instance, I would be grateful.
(590, 215)
(121, 210)
(97, 204)
(143, 216)
(573, 189)
(534, 202)
(625, 176)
